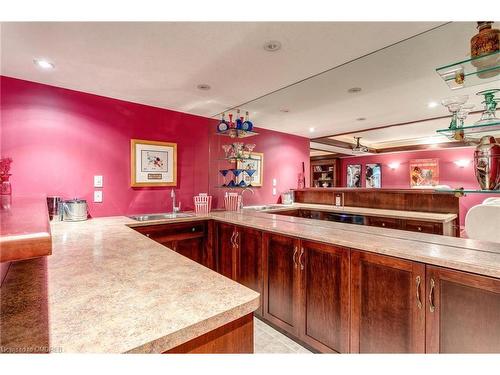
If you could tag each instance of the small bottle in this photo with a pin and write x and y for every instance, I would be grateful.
(223, 125)
(247, 125)
(239, 120)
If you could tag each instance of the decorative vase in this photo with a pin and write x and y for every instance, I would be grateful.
(487, 163)
(485, 42)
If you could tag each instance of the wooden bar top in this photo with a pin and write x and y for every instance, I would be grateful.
(373, 190)
(25, 229)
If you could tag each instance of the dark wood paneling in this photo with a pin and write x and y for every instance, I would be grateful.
(466, 315)
(325, 296)
(385, 312)
(193, 248)
(281, 281)
(233, 338)
(249, 257)
(404, 200)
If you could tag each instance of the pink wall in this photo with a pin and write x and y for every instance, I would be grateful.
(59, 139)
(449, 173)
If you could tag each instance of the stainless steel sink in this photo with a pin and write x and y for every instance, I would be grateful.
(160, 216)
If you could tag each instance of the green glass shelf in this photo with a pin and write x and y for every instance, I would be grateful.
(237, 133)
(471, 72)
(459, 133)
(462, 192)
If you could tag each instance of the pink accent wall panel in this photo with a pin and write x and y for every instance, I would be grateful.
(59, 139)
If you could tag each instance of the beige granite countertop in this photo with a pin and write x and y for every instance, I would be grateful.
(462, 254)
(397, 214)
(107, 288)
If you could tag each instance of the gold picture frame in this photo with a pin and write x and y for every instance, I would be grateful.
(258, 164)
(155, 166)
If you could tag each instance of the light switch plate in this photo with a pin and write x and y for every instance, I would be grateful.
(98, 196)
(274, 182)
(274, 191)
(98, 181)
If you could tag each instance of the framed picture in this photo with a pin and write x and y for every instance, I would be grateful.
(373, 176)
(153, 163)
(354, 175)
(256, 163)
(424, 173)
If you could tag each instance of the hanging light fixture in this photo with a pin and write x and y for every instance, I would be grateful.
(359, 149)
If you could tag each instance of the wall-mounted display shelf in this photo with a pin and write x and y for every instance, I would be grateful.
(237, 133)
(459, 132)
(324, 173)
(470, 72)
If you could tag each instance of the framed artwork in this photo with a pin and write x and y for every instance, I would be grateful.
(354, 175)
(424, 173)
(256, 163)
(153, 163)
(373, 176)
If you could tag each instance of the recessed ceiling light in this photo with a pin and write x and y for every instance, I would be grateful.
(272, 46)
(361, 119)
(432, 105)
(284, 110)
(44, 64)
(203, 86)
(354, 90)
(311, 130)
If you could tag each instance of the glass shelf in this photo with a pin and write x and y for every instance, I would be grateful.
(462, 192)
(234, 187)
(235, 159)
(459, 133)
(471, 72)
(237, 133)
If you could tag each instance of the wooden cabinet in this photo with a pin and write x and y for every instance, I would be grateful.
(281, 281)
(189, 239)
(422, 226)
(239, 255)
(325, 172)
(463, 312)
(387, 304)
(383, 222)
(324, 296)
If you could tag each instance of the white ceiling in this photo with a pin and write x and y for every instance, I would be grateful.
(161, 63)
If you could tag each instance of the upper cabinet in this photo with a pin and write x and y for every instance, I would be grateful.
(325, 172)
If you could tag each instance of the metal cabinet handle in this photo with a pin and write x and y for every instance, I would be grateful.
(419, 229)
(419, 303)
(236, 237)
(383, 224)
(232, 238)
(148, 235)
(300, 258)
(431, 296)
(294, 255)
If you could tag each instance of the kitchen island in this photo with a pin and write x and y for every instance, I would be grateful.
(118, 285)
(108, 289)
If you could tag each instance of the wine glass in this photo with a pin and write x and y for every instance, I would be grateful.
(224, 172)
(226, 149)
(490, 106)
(453, 104)
(250, 173)
(238, 149)
(463, 113)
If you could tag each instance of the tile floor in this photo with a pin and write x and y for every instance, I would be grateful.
(268, 340)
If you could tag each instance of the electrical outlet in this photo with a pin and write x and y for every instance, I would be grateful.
(274, 191)
(98, 181)
(98, 196)
(274, 182)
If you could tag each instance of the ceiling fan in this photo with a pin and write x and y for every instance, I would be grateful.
(359, 148)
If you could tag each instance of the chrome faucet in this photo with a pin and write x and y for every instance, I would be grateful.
(175, 208)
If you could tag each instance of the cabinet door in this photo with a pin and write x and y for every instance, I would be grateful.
(249, 258)
(193, 248)
(387, 304)
(463, 312)
(281, 281)
(325, 296)
(226, 251)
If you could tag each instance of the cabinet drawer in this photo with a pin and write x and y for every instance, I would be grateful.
(422, 226)
(384, 222)
(175, 231)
